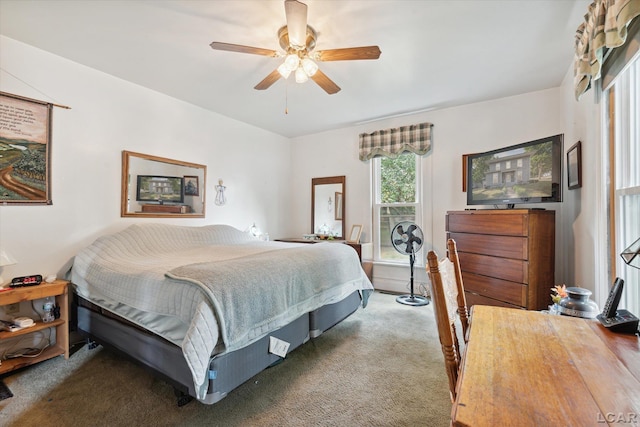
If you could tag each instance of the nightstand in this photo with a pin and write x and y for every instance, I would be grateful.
(59, 290)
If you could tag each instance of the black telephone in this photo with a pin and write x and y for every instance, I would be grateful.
(614, 319)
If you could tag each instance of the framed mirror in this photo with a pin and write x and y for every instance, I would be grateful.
(328, 206)
(157, 187)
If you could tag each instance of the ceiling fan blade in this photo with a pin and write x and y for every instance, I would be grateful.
(350, 53)
(325, 82)
(243, 49)
(268, 81)
(296, 13)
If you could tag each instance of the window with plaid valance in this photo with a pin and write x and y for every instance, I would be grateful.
(604, 29)
(393, 142)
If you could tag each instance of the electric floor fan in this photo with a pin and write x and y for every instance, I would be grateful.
(406, 238)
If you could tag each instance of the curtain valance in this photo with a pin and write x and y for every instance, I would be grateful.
(605, 28)
(393, 142)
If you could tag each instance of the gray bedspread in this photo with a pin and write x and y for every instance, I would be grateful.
(214, 288)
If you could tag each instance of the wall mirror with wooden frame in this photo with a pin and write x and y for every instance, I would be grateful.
(158, 187)
(328, 206)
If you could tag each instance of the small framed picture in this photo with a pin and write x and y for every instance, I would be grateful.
(354, 235)
(191, 186)
(574, 166)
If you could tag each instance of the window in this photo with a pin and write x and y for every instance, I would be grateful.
(623, 110)
(396, 199)
(507, 164)
(519, 163)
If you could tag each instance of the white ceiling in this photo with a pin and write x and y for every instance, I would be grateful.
(435, 53)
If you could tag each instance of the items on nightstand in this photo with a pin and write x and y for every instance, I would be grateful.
(48, 307)
(32, 280)
(16, 324)
(5, 260)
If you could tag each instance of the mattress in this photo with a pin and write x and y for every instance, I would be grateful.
(213, 289)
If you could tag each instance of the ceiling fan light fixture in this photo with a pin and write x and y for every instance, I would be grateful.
(309, 67)
(292, 61)
(301, 76)
(284, 70)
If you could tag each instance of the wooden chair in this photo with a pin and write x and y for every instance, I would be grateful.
(447, 295)
(463, 311)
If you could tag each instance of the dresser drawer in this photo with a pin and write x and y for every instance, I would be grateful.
(475, 299)
(500, 246)
(491, 287)
(501, 224)
(501, 268)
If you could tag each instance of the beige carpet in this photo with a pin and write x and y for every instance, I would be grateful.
(381, 367)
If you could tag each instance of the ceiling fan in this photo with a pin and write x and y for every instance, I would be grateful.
(297, 39)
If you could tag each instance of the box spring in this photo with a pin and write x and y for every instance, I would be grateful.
(329, 315)
(231, 369)
(167, 360)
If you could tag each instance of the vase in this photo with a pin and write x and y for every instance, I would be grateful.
(578, 304)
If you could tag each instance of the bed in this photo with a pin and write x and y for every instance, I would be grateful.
(209, 307)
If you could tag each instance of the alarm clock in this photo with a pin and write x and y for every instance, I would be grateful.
(32, 280)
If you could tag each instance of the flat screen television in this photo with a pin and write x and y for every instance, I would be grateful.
(162, 189)
(525, 173)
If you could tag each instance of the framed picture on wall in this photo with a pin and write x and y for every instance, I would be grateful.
(25, 150)
(574, 166)
(191, 186)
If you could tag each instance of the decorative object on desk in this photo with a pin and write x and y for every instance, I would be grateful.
(574, 166)
(407, 238)
(5, 260)
(221, 198)
(309, 236)
(578, 304)
(631, 255)
(559, 292)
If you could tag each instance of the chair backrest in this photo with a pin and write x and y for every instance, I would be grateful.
(447, 295)
(463, 312)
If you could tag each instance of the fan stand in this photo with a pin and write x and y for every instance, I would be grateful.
(415, 300)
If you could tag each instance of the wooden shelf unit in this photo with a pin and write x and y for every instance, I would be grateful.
(58, 289)
(507, 257)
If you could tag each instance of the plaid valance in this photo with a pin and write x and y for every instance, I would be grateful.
(605, 28)
(395, 141)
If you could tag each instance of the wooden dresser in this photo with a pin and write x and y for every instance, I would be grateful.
(507, 257)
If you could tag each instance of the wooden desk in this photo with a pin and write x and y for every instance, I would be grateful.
(529, 368)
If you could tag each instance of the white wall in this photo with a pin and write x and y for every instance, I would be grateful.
(457, 131)
(109, 115)
(584, 211)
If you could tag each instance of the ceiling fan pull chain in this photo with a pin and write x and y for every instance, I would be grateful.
(286, 97)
